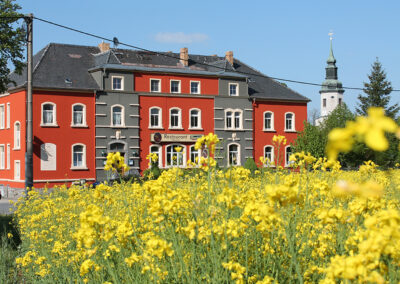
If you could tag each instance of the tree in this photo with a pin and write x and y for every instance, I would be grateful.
(313, 139)
(12, 40)
(377, 93)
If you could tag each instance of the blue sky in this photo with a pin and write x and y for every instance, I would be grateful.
(284, 39)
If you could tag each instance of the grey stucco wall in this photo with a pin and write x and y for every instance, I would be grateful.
(244, 136)
(106, 134)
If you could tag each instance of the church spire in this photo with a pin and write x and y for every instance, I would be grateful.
(331, 83)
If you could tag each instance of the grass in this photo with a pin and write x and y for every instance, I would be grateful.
(8, 250)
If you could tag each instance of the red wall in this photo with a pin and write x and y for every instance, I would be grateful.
(64, 136)
(263, 138)
(208, 86)
(206, 106)
(17, 113)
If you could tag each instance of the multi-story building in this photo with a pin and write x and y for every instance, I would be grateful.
(89, 101)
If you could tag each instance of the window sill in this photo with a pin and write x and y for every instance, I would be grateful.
(175, 128)
(16, 149)
(269, 130)
(198, 129)
(155, 91)
(156, 128)
(234, 129)
(195, 93)
(79, 169)
(79, 126)
(118, 126)
(119, 90)
(49, 125)
(291, 131)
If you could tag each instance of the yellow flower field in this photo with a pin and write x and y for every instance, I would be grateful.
(218, 226)
(205, 225)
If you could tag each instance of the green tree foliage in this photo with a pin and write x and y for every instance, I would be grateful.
(12, 39)
(377, 92)
(313, 139)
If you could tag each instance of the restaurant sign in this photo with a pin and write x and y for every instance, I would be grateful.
(166, 137)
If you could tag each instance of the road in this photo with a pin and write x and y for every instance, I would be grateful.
(5, 206)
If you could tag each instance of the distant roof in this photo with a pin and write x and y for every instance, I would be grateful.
(64, 66)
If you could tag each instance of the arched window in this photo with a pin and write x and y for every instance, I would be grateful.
(78, 156)
(157, 149)
(117, 115)
(155, 117)
(233, 155)
(17, 135)
(269, 153)
(175, 119)
(268, 120)
(289, 121)
(78, 115)
(288, 153)
(194, 155)
(175, 156)
(49, 112)
(118, 147)
(195, 119)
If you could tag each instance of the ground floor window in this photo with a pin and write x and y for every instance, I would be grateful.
(194, 155)
(233, 155)
(175, 156)
(157, 150)
(288, 154)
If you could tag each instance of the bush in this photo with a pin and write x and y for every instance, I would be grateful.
(250, 165)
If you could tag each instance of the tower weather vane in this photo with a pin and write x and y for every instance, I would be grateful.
(330, 34)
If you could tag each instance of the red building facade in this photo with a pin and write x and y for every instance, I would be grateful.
(108, 100)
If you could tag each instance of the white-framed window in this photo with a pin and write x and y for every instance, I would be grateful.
(233, 154)
(117, 83)
(194, 155)
(289, 121)
(2, 116)
(174, 158)
(155, 117)
(195, 118)
(78, 156)
(233, 89)
(117, 115)
(78, 115)
(2, 157)
(233, 119)
(8, 115)
(195, 87)
(269, 121)
(49, 114)
(17, 170)
(288, 153)
(8, 156)
(17, 135)
(269, 153)
(175, 118)
(157, 149)
(175, 86)
(155, 85)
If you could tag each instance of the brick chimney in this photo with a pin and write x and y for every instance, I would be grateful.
(184, 56)
(229, 57)
(104, 47)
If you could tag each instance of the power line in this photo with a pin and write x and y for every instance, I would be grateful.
(174, 57)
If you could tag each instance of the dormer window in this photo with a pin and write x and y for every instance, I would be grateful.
(117, 83)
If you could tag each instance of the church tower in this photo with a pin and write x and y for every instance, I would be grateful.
(331, 90)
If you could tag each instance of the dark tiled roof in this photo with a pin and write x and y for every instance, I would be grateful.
(67, 66)
(62, 66)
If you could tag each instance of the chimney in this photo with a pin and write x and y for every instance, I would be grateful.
(104, 47)
(184, 56)
(229, 57)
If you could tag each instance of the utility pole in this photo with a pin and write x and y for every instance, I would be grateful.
(29, 133)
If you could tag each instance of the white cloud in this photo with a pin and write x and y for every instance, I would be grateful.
(180, 37)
